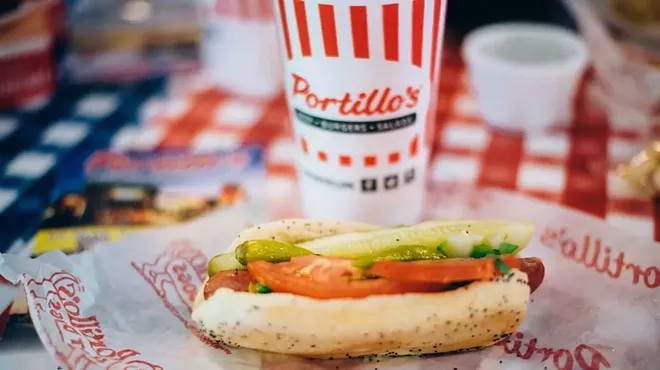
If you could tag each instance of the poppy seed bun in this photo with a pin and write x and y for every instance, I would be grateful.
(475, 315)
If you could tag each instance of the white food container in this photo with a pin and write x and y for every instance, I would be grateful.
(524, 75)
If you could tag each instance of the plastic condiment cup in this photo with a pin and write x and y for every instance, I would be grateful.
(524, 76)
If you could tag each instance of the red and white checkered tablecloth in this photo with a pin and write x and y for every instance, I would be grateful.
(572, 165)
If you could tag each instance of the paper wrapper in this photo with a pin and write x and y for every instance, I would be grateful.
(127, 305)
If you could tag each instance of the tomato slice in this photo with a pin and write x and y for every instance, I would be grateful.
(454, 270)
(451, 270)
(327, 278)
(237, 280)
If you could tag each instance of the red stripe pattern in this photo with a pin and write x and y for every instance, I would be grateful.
(436, 32)
(241, 9)
(329, 30)
(417, 32)
(414, 147)
(391, 31)
(389, 18)
(501, 161)
(345, 160)
(370, 160)
(303, 29)
(266, 8)
(360, 32)
(285, 30)
(656, 216)
(584, 190)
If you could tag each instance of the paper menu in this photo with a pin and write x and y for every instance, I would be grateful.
(120, 192)
(104, 309)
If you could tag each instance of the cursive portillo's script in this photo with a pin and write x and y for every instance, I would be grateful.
(584, 356)
(592, 253)
(61, 308)
(373, 102)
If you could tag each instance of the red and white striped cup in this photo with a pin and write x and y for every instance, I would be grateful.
(239, 50)
(27, 76)
(359, 78)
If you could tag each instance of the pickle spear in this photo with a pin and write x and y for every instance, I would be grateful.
(289, 231)
(456, 238)
(223, 262)
(269, 251)
(255, 250)
(401, 254)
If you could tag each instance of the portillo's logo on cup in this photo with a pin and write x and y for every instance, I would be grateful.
(377, 101)
(359, 77)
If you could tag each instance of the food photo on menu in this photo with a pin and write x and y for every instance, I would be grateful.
(329, 184)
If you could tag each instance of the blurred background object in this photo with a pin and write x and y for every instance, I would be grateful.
(130, 39)
(467, 15)
(26, 65)
(624, 39)
(643, 171)
(127, 39)
(240, 36)
(639, 12)
(9, 6)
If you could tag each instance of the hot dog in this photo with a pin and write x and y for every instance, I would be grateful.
(336, 290)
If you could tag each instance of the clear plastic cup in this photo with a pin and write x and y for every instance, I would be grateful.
(359, 76)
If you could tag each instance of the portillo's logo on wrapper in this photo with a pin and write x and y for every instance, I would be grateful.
(81, 341)
(583, 357)
(592, 253)
(174, 276)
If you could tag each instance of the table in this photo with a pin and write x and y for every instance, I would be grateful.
(38, 142)
(571, 165)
